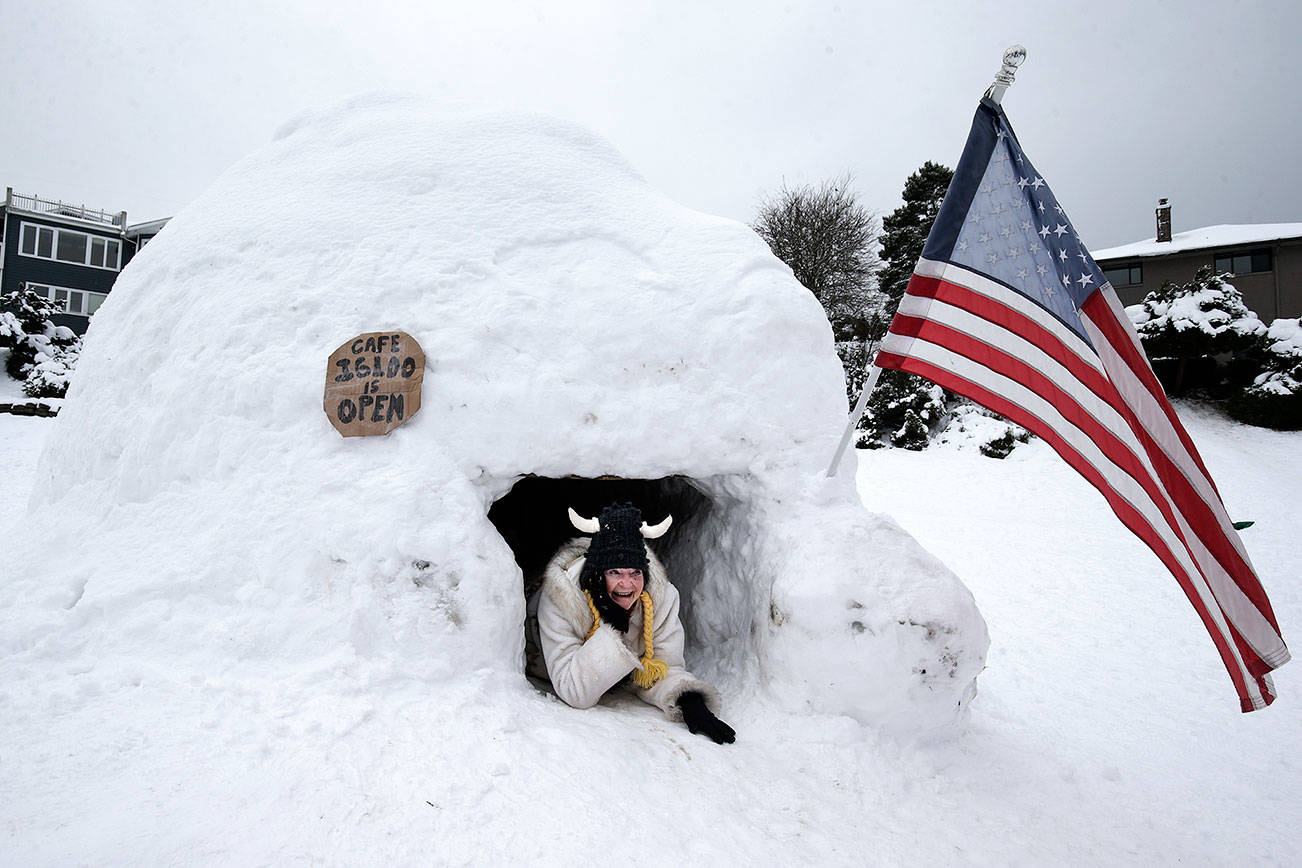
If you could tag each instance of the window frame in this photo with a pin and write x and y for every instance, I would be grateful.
(1130, 269)
(50, 291)
(1228, 256)
(91, 238)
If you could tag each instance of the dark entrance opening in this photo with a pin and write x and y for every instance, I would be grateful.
(532, 516)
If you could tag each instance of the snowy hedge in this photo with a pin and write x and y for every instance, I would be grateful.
(42, 354)
(1274, 398)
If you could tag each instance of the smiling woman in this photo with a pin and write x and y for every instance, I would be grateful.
(607, 615)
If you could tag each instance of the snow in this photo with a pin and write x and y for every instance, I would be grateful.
(230, 636)
(1105, 732)
(1211, 309)
(1284, 337)
(1223, 235)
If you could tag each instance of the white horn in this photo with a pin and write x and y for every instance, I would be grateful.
(587, 525)
(658, 530)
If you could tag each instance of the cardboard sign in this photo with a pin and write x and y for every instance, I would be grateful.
(373, 383)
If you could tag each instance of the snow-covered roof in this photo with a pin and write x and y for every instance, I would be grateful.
(150, 227)
(1224, 235)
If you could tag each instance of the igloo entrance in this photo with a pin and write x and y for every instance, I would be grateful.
(699, 551)
(532, 516)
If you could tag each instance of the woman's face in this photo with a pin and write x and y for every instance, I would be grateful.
(624, 586)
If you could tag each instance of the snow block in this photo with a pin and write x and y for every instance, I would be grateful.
(578, 327)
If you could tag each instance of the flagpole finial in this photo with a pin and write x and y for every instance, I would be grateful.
(1014, 56)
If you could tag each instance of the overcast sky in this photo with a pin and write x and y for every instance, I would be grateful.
(141, 105)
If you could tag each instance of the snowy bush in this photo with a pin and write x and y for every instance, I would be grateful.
(1183, 322)
(972, 425)
(50, 371)
(904, 410)
(42, 354)
(1274, 399)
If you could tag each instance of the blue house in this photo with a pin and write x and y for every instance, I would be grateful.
(68, 253)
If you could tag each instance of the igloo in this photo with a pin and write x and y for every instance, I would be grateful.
(586, 340)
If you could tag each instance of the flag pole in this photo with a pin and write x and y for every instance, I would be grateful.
(1014, 56)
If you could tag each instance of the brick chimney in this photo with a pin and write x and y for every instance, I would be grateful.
(1163, 220)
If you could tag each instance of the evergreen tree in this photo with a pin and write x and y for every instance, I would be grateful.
(1184, 323)
(1274, 398)
(905, 410)
(41, 353)
(905, 230)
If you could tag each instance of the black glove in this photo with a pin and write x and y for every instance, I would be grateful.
(699, 719)
(612, 613)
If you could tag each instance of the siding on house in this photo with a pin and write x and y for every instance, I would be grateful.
(79, 286)
(1272, 294)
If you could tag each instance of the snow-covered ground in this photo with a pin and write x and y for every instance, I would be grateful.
(1105, 732)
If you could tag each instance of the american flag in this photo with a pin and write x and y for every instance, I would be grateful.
(1007, 307)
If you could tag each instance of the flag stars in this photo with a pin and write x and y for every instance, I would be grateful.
(1085, 280)
(1044, 232)
(1062, 255)
(992, 258)
(1066, 281)
(1021, 274)
(984, 238)
(962, 245)
(1041, 269)
(1060, 231)
(1006, 231)
(1026, 225)
(1014, 252)
(1038, 182)
(1022, 183)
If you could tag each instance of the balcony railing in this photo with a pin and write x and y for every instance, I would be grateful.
(37, 205)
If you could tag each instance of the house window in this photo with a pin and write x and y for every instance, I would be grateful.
(1247, 262)
(69, 245)
(1125, 275)
(80, 302)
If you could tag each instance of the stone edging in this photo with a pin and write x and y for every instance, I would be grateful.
(30, 408)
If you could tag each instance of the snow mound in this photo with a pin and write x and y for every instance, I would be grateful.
(585, 339)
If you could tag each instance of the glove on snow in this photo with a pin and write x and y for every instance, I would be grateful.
(611, 612)
(699, 719)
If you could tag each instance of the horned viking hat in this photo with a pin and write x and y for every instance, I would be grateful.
(618, 537)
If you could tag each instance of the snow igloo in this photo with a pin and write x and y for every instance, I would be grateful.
(586, 340)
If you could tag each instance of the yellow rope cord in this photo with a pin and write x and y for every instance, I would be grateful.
(596, 616)
(652, 669)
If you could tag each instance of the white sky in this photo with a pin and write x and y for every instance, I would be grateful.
(140, 105)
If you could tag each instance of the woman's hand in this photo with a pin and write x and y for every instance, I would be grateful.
(699, 719)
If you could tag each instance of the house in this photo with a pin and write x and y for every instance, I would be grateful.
(1265, 259)
(68, 253)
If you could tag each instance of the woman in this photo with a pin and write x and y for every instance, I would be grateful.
(607, 610)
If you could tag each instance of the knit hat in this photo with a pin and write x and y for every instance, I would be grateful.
(618, 542)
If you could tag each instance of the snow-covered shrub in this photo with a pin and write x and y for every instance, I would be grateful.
(1200, 319)
(38, 346)
(51, 370)
(972, 425)
(1274, 399)
(904, 410)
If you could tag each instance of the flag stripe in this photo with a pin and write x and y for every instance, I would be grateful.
(1007, 307)
(945, 375)
(1125, 343)
(1110, 424)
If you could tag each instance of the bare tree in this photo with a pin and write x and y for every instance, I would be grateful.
(830, 242)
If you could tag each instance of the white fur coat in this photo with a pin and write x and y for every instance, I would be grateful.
(582, 671)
